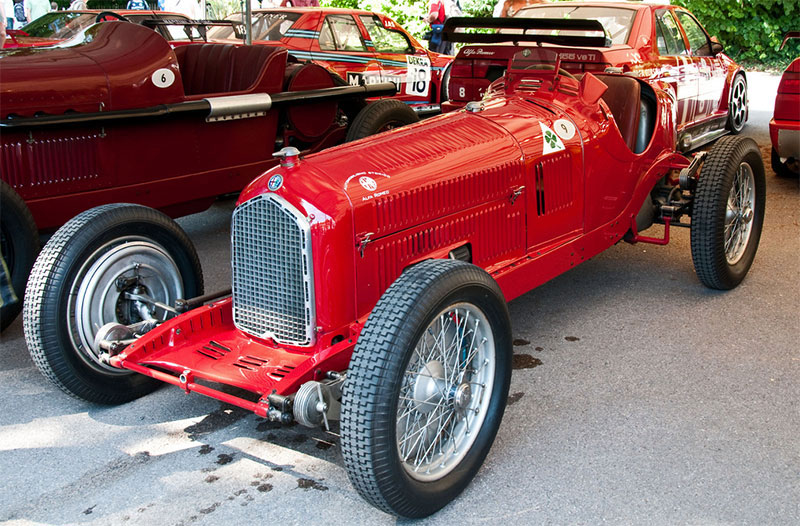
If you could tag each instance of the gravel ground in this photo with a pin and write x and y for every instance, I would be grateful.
(640, 398)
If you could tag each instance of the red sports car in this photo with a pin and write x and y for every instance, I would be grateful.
(784, 128)
(361, 46)
(655, 42)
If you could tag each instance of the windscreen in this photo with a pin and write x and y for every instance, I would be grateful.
(617, 21)
(60, 26)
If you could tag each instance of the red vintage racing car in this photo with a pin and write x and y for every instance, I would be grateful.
(119, 115)
(650, 41)
(361, 46)
(370, 281)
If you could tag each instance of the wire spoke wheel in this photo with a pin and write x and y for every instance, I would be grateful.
(443, 399)
(728, 212)
(426, 387)
(739, 213)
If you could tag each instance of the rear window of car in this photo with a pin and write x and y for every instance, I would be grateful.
(617, 21)
(266, 26)
(385, 40)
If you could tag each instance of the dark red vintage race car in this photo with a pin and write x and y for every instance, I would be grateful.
(649, 41)
(118, 115)
(370, 281)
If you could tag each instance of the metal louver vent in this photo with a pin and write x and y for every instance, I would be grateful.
(273, 283)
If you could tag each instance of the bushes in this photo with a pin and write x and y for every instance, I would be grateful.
(750, 30)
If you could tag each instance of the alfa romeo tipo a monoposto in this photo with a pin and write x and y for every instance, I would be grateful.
(370, 281)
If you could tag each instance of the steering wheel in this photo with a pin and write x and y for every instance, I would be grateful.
(109, 16)
(549, 67)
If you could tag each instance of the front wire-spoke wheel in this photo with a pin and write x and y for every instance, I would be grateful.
(444, 395)
(426, 387)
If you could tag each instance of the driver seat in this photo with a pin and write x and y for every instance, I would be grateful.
(623, 99)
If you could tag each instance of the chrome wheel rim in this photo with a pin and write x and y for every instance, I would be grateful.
(738, 103)
(445, 392)
(739, 213)
(97, 296)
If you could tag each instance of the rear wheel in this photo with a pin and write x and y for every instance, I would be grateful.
(788, 168)
(728, 212)
(444, 90)
(19, 242)
(380, 116)
(84, 278)
(737, 105)
(426, 388)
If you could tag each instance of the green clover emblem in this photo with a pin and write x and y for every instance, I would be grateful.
(551, 139)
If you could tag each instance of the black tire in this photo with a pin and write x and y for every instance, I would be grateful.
(790, 168)
(737, 105)
(444, 89)
(732, 160)
(19, 242)
(379, 372)
(382, 115)
(103, 250)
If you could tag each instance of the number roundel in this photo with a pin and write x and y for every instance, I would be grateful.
(163, 78)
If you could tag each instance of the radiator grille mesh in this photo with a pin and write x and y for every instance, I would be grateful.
(273, 294)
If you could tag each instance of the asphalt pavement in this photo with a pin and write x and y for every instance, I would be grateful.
(641, 398)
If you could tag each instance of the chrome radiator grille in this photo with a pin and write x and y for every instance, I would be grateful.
(273, 282)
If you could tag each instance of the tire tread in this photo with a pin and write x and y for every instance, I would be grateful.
(708, 225)
(40, 318)
(401, 306)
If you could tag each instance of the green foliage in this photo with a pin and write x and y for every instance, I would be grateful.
(750, 30)
(410, 14)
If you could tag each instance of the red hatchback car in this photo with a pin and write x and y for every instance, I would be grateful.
(361, 46)
(784, 128)
(653, 42)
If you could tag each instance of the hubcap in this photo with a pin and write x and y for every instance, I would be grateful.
(445, 392)
(739, 214)
(128, 265)
(738, 107)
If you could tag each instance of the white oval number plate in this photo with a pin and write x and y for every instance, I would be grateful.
(564, 128)
(163, 78)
